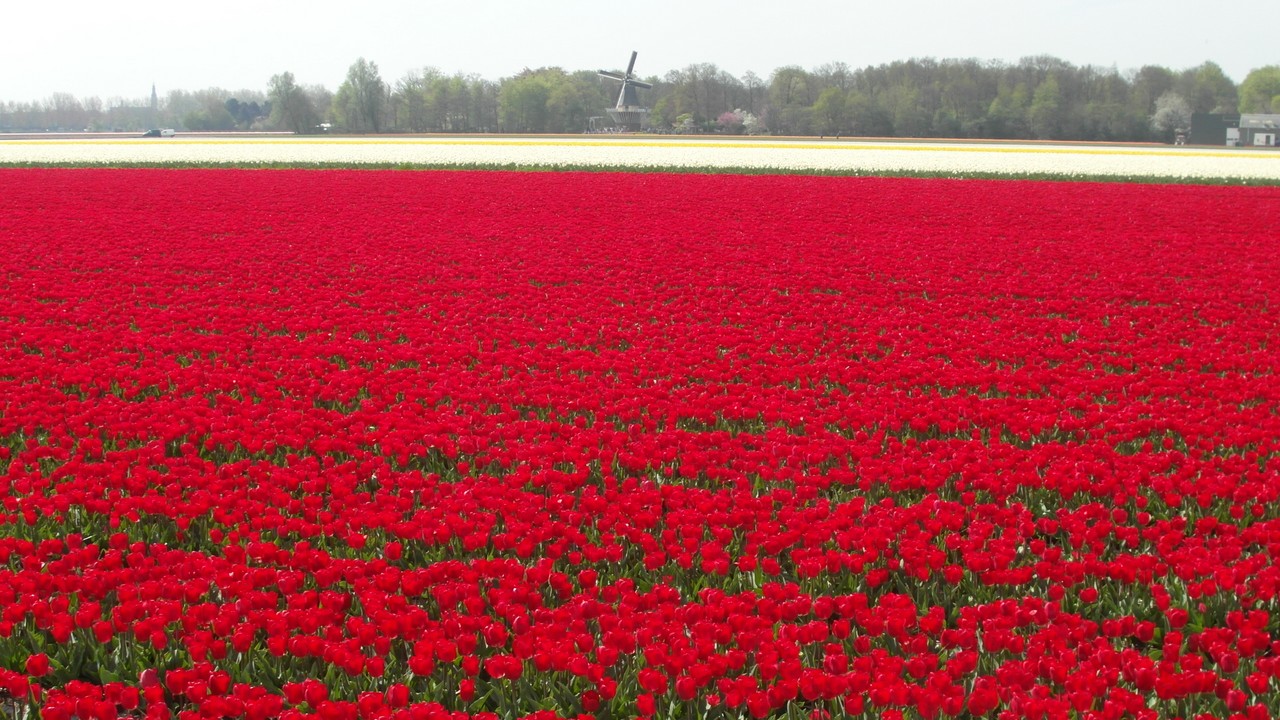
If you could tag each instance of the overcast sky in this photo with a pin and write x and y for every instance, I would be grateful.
(118, 49)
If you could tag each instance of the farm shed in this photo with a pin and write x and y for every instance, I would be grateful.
(1249, 129)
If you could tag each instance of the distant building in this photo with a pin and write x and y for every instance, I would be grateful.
(1258, 130)
(1213, 128)
(1248, 129)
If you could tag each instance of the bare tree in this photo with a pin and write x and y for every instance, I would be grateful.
(834, 74)
(291, 108)
(66, 112)
(755, 89)
(410, 99)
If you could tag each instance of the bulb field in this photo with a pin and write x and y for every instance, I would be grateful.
(750, 155)
(479, 444)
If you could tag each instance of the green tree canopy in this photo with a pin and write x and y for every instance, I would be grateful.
(1046, 109)
(1260, 91)
(522, 103)
(1207, 89)
(790, 99)
(215, 119)
(361, 100)
(829, 111)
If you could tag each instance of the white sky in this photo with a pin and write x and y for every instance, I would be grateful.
(118, 49)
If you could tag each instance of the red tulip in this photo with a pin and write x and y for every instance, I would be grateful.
(38, 665)
(645, 705)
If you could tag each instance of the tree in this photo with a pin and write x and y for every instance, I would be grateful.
(945, 124)
(483, 109)
(210, 120)
(1007, 115)
(321, 99)
(1260, 91)
(1173, 114)
(967, 89)
(829, 111)
(910, 117)
(729, 123)
(754, 87)
(704, 91)
(429, 101)
(66, 112)
(410, 99)
(1101, 110)
(1208, 89)
(1149, 83)
(93, 106)
(1038, 96)
(448, 104)
(962, 100)
(790, 101)
(291, 107)
(211, 113)
(572, 100)
(175, 105)
(522, 103)
(1046, 109)
(866, 117)
(361, 99)
(244, 113)
(686, 91)
(663, 113)
(834, 74)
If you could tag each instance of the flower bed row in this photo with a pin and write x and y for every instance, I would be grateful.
(444, 445)
(639, 153)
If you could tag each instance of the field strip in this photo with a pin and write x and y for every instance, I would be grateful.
(400, 445)
(948, 158)
(731, 144)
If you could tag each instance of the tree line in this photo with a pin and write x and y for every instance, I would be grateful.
(1040, 97)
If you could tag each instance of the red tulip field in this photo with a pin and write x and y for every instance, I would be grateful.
(441, 445)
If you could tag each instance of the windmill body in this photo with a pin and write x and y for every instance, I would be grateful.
(628, 113)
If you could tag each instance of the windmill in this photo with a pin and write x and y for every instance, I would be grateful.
(628, 114)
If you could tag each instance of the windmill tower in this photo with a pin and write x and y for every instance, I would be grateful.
(628, 113)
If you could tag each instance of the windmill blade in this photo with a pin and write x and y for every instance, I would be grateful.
(639, 84)
(614, 75)
(631, 65)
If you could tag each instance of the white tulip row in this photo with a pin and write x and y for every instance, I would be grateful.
(646, 152)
